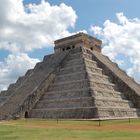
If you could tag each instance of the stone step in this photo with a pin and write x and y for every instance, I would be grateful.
(90, 63)
(87, 56)
(80, 67)
(65, 103)
(92, 69)
(81, 75)
(93, 82)
(103, 85)
(111, 112)
(74, 56)
(72, 69)
(76, 84)
(28, 72)
(3, 93)
(71, 76)
(83, 83)
(98, 80)
(56, 113)
(12, 86)
(111, 102)
(114, 98)
(68, 93)
(2, 99)
(20, 80)
(73, 62)
(99, 92)
(6, 93)
(98, 77)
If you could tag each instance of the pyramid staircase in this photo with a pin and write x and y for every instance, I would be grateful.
(27, 90)
(82, 90)
(76, 82)
(4, 95)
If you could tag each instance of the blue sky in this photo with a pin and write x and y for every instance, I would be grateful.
(26, 37)
(94, 12)
(97, 11)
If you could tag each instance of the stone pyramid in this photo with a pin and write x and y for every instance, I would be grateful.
(76, 82)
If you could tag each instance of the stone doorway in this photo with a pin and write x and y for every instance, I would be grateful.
(26, 115)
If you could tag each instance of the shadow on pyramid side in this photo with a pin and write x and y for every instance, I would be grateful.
(76, 82)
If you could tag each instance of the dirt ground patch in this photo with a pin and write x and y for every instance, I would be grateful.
(118, 127)
(133, 127)
(31, 129)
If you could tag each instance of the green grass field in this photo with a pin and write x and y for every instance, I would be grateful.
(69, 130)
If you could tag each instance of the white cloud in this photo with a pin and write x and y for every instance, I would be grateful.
(25, 28)
(122, 39)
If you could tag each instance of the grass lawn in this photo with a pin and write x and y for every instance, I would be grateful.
(69, 130)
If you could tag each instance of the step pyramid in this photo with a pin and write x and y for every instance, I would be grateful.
(77, 82)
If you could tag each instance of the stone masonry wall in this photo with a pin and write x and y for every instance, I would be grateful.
(124, 83)
(29, 92)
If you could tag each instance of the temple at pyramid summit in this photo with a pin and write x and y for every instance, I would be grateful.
(76, 82)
